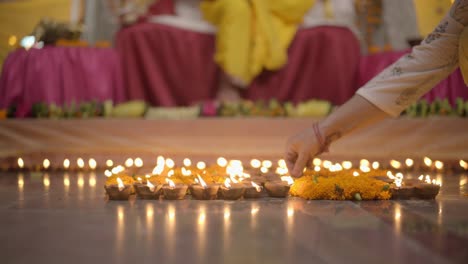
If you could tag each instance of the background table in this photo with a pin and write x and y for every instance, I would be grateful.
(60, 75)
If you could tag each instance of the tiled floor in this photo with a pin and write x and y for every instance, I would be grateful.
(65, 218)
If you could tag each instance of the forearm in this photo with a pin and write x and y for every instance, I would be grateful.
(355, 113)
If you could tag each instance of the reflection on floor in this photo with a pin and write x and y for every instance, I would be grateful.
(65, 218)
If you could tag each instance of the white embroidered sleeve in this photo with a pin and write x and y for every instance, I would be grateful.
(405, 81)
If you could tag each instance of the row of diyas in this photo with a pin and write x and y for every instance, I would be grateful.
(408, 164)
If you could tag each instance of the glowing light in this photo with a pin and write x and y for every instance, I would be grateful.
(434, 181)
(282, 163)
(257, 187)
(12, 40)
(398, 182)
(364, 168)
(464, 164)
(202, 218)
(187, 162)
(171, 213)
(317, 162)
(409, 162)
(347, 165)
(46, 180)
(108, 173)
(355, 174)
(170, 163)
(427, 161)
(149, 211)
(201, 165)
(80, 181)
(129, 163)
(421, 177)
(287, 179)
(118, 169)
(222, 162)
(186, 172)
(327, 164)
(263, 170)
(46, 164)
(66, 180)
(282, 170)
(109, 163)
(439, 164)
(290, 212)
(20, 181)
(120, 184)
(170, 173)
(138, 162)
(171, 183)
(20, 163)
(147, 176)
(66, 164)
(395, 164)
(80, 162)
(227, 183)
(160, 161)
(92, 163)
(92, 180)
(227, 213)
(201, 181)
(233, 179)
(150, 186)
(399, 175)
(255, 163)
(28, 42)
(267, 164)
(254, 210)
(139, 179)
(390, 175)
(317, 168)
(158, 169)
(375, 165)
(364, 162)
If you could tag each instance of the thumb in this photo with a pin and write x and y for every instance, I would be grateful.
(300, 164)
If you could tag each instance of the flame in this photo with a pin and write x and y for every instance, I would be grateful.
(364, 162)
(375, 165)
(327, 164)
(170, 173)
(399, 175)
(170, 163)
(409, 162)
(317, 168)
(160, 161)
(439, 182)
(257, 187)
(421, 177)
(171, 183)
(158, 169)
(255, 163)
(287, 179)
(108, 173)
(364, 168)
(92, 163)
(227, 183)
(118, 169)
(267, 164)
(245, 175)
(434, 181)
(282, 170)
(347, 165)
(427, 161)
(390, 175)
(233, 179)
(201, 181)
(129, 163)
(395, 164)
(150, 186)
(317, 162)
(398, 182)
(147, 176)
(355, 174)
(140, 180)
(138, 162)
(196, 180)
(464, 164)
(186, 172)
(187, 162)
(282, 163)
(428, 179)
(109, 163)
(120, 184)
(201, 165)
(222, 162)
(20, 163)
(80, 163)
(46, 164)
(66, 164)
(439, 164)
(263, 170)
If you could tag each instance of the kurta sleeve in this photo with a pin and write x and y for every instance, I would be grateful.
(409, 78)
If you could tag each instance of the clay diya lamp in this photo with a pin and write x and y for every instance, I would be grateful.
(427, 191)
(203, 191)
(148, 191)
(173, 191)
(279, 189)
(119, 191)
(231, 191)
(402, 192)
(253, 191)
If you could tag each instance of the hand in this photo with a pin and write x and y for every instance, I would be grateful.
(300, 149)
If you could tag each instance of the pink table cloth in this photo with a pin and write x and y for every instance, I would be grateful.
(450, 88)
(168, 66)
(59, 75)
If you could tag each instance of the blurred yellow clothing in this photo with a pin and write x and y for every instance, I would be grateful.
(253, 34)
(429, 13)
(463, 54)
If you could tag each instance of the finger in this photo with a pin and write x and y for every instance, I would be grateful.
(300, 164)
(290, 159)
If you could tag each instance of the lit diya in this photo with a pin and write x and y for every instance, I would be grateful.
(279, 189)
(231, 191)
(174, 191)
(427, 190)
(253, 191)
(148, 191)
(402, 192)
(203, 191)
(119, 191)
